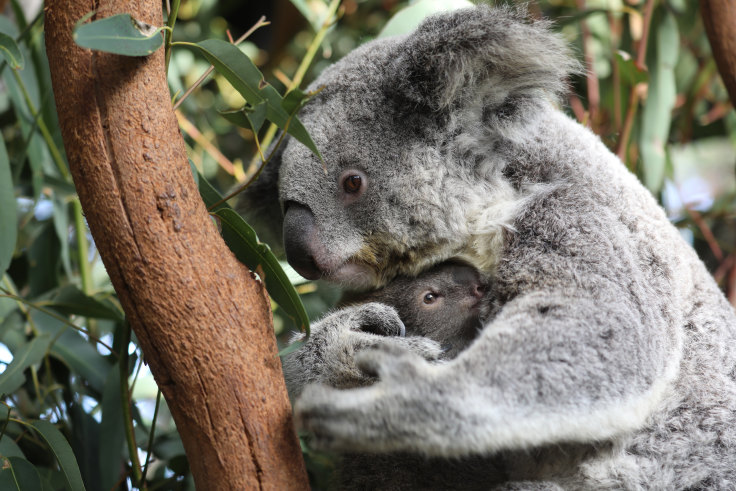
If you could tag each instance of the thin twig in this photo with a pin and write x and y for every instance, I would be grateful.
(135, 462)
(149, 451)
(706, 231)
(261, 22)
(191, 130)
(594, 97)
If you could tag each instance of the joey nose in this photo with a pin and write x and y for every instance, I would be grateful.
(299, 234)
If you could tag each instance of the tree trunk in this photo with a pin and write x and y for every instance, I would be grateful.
(202, 319)
(719, 17)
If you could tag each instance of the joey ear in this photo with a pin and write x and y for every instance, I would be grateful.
(259, 203)
(481, 55)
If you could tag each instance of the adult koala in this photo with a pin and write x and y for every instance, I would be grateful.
(610, 357)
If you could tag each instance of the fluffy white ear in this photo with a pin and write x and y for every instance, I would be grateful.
(496, 55)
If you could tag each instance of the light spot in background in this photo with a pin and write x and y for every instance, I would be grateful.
(5, 357)
(43, 210)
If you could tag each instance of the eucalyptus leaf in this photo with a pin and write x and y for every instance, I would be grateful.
(76, 352)
(71, 300)
(248, 80)
(119, 34)
(631, 73)
(294, 100)
(19, 474)
(61, 225)
(11, 52)
(112, 436)
(8, 447)
(244, 243)
(30, 354)
(250, 117)
(8, 214)
(661, 97)
(63, 453)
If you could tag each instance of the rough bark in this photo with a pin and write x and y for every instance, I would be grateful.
(719, 17)
(203, 321)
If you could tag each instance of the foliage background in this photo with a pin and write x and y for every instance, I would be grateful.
(64, 348)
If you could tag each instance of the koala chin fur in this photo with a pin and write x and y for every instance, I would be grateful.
(609, 358)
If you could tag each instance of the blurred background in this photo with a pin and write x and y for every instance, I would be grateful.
(651, 92)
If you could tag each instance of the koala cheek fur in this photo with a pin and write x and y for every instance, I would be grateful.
(609, 359)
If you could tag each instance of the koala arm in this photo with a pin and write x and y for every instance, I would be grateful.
(328, 357)
(549, 368)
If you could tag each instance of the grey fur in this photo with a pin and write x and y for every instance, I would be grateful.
(609, 360)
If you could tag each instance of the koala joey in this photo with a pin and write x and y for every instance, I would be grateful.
(607, 359)
(444, 303)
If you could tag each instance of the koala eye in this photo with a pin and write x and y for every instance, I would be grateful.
(353, 184)
(430, 298)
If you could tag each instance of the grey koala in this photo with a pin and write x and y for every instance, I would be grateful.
(608, 360)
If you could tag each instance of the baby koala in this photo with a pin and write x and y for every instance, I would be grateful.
(445, 304)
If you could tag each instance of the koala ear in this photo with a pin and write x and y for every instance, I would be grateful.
(491, 54)
(259, 203)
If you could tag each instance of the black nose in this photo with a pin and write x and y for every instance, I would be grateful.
(300, 239)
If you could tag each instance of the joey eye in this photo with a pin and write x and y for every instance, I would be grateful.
(353, 184)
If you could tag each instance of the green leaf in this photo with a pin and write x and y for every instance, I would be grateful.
(294, 100)
(250, 117)
(72, 349)
(661, 96)
(11, 52)
(8, 447)
(236, 67)
(71, 300)
(630, 73)
(248, 80)
(8, 214)
(209, 195)
(30, 354)
(43, 256)
(63, 453)
(244, 243)
(61, 225)
(112, 436)
(120, 34)
(19, 474)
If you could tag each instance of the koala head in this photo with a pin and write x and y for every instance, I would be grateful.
(444, 303)
(410, 129)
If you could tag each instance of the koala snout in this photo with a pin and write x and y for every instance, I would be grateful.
(299, 238)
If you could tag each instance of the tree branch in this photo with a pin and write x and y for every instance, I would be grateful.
(203, 321)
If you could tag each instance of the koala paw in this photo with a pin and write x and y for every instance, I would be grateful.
(370, 418)
(376, 318)
(388, 361)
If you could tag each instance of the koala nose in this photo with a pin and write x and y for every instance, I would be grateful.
(299, 231)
